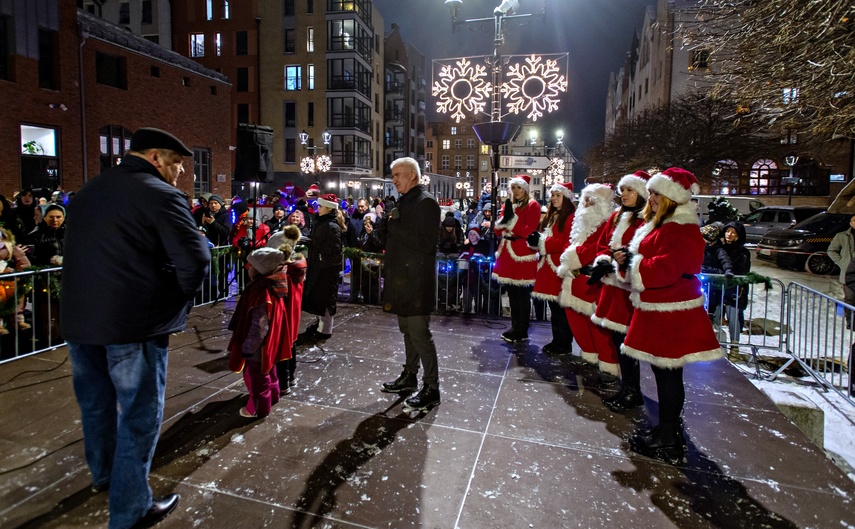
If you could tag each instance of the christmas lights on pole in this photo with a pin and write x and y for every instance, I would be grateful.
(315, 163)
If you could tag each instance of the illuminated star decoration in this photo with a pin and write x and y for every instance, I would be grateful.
(462, 87)
(534, 86)
(324, 163)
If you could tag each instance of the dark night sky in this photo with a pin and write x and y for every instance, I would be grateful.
(596, 34)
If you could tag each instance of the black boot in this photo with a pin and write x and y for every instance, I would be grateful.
(608, 401)
(406, 383)
(630, 399)
(665, 442)
(425, 399)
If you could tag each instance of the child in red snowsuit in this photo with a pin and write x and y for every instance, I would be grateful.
(261, 334)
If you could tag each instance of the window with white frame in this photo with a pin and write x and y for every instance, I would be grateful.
(458, 162)
(209, 9)
(458, 144)
(429, 156)
(446, 144)
(197, 44)
(759, 178)
(470, 143)
(310, 74)
(218, 40)
(429, 144)
(310, 40)
(293, 77)
(453, 131)
(470, 161)
(444, 162)
(226, 10)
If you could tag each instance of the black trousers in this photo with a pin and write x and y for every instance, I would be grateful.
(562, 336)
(630, 371)
(672, 394)
(519, 299)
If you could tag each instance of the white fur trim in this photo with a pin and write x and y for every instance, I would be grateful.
(327, 203)
(672, 363)
(672, 306)
(591, 358)
(504, 243)
(541, 243)
(570, 258)
(518, 181)
(567, 300)
(664, 185)
(623, 224)
(636, 183)
(609, 324)
(563, 190)
(510, 225)
(544, 297)
(517, 282)
(612, 369)
(634, 274)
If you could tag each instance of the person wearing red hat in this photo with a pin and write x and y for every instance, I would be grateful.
(550, 244)
(578, 296)
(323, 267)
(614, 309)
(669, 326)
(516, 263)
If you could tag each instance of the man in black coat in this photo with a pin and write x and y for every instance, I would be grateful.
(131, 267)
(411, 232)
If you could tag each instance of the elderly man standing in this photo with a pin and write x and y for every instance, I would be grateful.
(842, 251)
(132, 265)
(410, 281)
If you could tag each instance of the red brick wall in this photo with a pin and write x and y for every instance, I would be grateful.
(195, 115)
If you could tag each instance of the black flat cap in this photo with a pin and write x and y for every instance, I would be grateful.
(151, 138)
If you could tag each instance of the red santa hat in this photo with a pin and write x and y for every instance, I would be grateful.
(289, 185)
(565, 188)
(675, 183)
(522, 180)
(329, 200)
(313, 191)
(636, 181)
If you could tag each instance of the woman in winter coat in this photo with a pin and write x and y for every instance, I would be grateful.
(516, 263)
(669, 326)
(577, 295)
(614, 308)
(25, 207)
(47, 238)
(551, 242)
(731, 259)
(324, 265)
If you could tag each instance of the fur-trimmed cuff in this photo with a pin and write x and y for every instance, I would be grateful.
(635, 274)
(570, 258)
(612, 369)
(591, 358)
(541, 244)
(603, 257)
(672, 363)
(509, 226)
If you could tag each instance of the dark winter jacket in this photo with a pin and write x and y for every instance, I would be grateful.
(219, 231)
(133, 258)
(46, 242)
(411, 232)
(734, 259)
(323, 267)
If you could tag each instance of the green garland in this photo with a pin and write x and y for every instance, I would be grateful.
(739, 281)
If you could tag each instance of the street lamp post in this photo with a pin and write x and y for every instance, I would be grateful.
(790, 181)
(315, 163)
(554, 174)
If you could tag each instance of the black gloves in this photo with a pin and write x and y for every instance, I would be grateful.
(508, 212)
(599, 270)
(533, 239)
(728, 273)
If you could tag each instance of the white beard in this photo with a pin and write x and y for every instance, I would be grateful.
(588, 219)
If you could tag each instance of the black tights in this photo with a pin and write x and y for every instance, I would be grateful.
(630, 371)
(672, 394)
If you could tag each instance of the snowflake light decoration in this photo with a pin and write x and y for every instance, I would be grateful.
(462, 87)
(307, 165)
(556, 169)
(324, 163)
(534, 86)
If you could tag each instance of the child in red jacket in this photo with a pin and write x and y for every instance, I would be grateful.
(260, 329)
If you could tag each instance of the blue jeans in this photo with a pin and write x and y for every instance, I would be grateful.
(120, 390)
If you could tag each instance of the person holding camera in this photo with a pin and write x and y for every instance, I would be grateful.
(216, 222)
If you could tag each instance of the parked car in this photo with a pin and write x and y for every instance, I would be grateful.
(804, 246)
(744, 205)
(764, 219)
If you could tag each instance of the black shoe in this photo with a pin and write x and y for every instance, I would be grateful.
(406, 383)
(555, 350)
(606, 380)
(321, 336)
(608, 401)
(103, 487)
(509, 336)
(424, 400)
(159, 509)
(630, 399)
(665, 442)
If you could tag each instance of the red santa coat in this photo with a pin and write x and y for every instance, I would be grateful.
(576, 293)
(547, 284)
(516, 263)
(669, 326)
(614, 308)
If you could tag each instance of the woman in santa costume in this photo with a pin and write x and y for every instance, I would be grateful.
(614, 308)
(550, 244)
(516, 263)
(577, 295)
(669, 326)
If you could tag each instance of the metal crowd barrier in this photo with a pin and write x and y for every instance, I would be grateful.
(822, 339)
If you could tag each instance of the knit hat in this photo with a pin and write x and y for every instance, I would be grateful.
(675, 183)
(488, 206)
(449, 221)
(151, 138)
(712, 231)
(636, 181)
(278, 207)
(205, 196)
(51, 207)
(565, 188)
(216, 198)
(329, 200)
(266, 260)
(313, 191)
(522, 180)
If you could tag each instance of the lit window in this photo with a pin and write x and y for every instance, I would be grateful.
(219, 42)
(197, 45)
(226, 11)
(453, 131)
(209, 9)
(446, 144)
(485, 149)
(791, 95)
(310, 73)
(293, 77)
(310, 40)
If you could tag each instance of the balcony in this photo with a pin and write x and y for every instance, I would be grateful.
(395, 116)
(361, 8)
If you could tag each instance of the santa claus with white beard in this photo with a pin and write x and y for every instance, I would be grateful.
(578, 297)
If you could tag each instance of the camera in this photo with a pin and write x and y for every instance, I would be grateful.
(245, 244)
